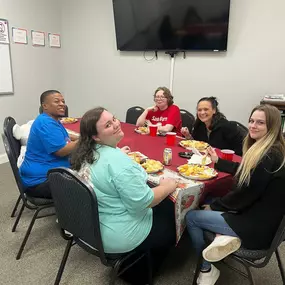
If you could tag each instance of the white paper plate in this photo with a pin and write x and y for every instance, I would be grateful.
(211, 172)
(153, 172)
(156, 171)
(197, 159)
(139, 154)
(70, 132)
(140, 132)
(190, 148)
(68, 120)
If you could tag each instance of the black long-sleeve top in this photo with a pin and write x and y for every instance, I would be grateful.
(224, 135)
(255, 211)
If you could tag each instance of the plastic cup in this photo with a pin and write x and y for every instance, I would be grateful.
(227, 154)
(170, 138)
(152, 131)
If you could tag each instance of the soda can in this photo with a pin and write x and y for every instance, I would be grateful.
(167, 156)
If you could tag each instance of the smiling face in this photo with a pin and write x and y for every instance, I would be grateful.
(108, 130)
(205, 112)
(160, 100)
(54, 105)
(257, 125)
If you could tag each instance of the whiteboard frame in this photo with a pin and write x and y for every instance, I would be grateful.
(11, 67)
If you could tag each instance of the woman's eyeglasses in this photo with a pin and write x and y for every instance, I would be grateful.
(159, 97)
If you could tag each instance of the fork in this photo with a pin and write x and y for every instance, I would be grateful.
(204, 158)
(147, 123)
(196, 151)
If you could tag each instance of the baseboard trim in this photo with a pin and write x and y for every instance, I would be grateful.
(3, 158)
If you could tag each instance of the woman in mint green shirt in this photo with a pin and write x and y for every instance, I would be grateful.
(125, 201)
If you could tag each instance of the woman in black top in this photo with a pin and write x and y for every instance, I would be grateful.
(211, 126)
(252, 211)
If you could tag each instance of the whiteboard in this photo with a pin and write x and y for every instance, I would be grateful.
(6, 79)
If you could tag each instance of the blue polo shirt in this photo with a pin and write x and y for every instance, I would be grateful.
(47, 136)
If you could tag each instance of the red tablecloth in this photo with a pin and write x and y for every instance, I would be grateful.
(153, 148)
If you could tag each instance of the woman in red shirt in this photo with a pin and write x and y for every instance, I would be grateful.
(164, 113)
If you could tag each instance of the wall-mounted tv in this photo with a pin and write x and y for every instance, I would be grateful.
(176, 25)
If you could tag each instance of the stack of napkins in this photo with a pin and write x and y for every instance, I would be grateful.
(197, 159)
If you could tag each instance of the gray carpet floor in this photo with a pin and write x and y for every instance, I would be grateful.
(42, 255)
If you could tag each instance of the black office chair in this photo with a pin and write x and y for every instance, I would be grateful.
(188, 119)
(133, 114)
(8, 125)
(250, 258)
(242, 129)
(65, 114)
(35, 204)
(77, 211)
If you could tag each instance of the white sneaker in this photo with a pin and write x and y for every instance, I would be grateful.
(221, 247)
(209, 278)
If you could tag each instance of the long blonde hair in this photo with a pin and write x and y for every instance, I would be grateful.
(254, 151)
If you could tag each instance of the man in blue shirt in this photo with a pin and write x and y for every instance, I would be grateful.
(48, 145)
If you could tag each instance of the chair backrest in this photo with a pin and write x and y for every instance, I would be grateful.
(77, 208)
(277, 240)
(14, 144)
(65, 114)
(188, 119)
(242, 129)
(12, 147)
(13, 163)
(133, 113)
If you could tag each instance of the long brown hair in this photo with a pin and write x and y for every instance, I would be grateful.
(84, 152)
(254, 151)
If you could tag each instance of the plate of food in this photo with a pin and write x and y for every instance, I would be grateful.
(152, 166)
(197, 172)
(142, 130)
(137, 156)
(199, 145)
(68, 120)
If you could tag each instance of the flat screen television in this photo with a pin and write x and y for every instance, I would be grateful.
(171, 25)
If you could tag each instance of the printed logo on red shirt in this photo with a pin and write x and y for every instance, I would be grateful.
(158, 119)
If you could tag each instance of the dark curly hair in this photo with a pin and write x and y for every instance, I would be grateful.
(216, 117)
(86, 144)
(166, 93)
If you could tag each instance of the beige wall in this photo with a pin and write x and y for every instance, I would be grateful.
(34, 68)
(90, 71)
(95, 73)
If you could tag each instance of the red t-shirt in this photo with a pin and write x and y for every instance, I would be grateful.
(169, 116)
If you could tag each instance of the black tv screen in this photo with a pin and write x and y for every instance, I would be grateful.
(185, 25)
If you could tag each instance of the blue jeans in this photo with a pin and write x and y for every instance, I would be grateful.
(199, 220)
